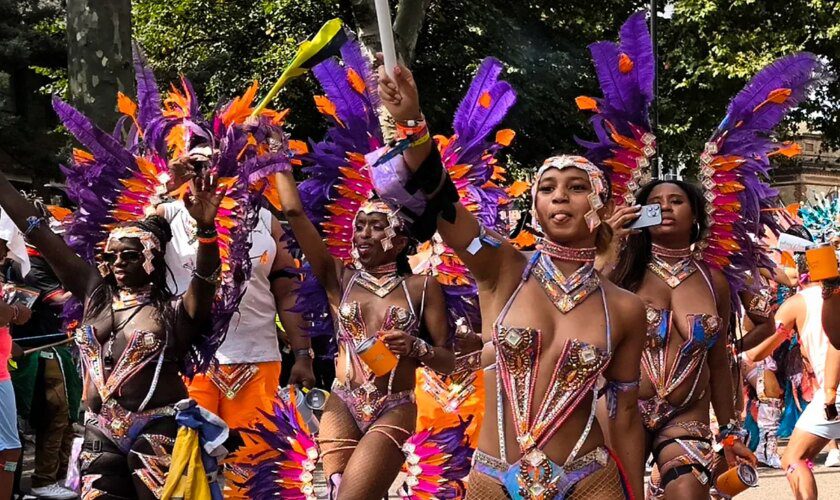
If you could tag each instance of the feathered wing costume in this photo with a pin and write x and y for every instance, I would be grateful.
(338, 187)
(469, 156)
(625, 142)
(123, 175)
(735, 167)
(822, 216)
(735, 163)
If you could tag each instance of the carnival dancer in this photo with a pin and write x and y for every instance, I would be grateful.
(823, 217)
(693, 268)
(339, 186)
(136, 338)
(371, 292)
(131, 339)
(542, 388)
(246, 376)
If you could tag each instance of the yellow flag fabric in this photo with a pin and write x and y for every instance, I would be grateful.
(187, 479)
(324, 44)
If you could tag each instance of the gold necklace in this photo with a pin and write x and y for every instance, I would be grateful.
(380, 286)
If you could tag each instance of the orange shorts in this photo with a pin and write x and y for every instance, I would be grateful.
(242, 411)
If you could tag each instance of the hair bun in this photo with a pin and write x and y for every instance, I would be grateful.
(158, 226)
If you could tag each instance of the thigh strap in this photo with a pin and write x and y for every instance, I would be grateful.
(677, 440)
(701, 473)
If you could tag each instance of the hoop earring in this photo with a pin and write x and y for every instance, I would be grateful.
(696, 230)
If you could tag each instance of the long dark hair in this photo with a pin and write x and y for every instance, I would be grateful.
(161, 295)
(633, 261)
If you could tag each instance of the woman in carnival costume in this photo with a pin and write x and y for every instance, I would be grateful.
(539, 438)
(362, 265)
(823, 217)
(136, 338)
(245, 376)
(690, 270)
(437, 455)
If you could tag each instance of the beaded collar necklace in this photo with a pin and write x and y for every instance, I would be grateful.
(127, 298)
(380, 280)
(560, 252)
(672, 274)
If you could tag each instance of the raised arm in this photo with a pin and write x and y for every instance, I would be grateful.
(458, 228)
(76, 275)
(201, 292)
(283, 287)
(324, 266)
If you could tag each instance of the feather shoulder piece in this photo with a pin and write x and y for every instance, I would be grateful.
(124, 175)
(735, 165)
(624, 142)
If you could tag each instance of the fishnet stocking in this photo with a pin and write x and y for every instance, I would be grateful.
(605, 484)
(337, 424)
(483, 487)
(378, 457)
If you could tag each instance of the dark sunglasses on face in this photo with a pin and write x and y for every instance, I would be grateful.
(129, 256)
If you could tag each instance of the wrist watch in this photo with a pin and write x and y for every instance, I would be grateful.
(304, 353)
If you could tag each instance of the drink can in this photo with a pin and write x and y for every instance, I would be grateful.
(377, 356)
(737, 480)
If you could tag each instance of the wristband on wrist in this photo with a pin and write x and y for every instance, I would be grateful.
(421, 350)
(208, 241)
(214, 278)
(304, 353)
(32, 223)
(206, 232)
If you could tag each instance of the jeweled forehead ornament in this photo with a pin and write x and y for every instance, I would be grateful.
(597, 198)
(394, 223)
(147, 239)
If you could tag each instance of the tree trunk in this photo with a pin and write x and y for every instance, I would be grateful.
(99, 56)
(407, 26)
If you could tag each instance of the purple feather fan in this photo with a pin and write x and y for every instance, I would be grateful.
(745, 134)
(358, 133)
(625, 75)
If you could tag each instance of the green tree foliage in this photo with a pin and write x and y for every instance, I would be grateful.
(33, 57)
(710, 48)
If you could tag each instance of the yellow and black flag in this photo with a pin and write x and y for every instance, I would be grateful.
(325, 44)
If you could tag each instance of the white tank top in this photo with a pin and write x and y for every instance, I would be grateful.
(813, 337)
(252, 335)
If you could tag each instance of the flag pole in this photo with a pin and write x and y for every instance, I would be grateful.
(386, 36)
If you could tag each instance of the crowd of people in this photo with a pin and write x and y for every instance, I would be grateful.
(394, 325)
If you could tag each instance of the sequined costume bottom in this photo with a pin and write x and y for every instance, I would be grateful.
(595, 475)
(378, 449)
(126, 454)
(368, 404)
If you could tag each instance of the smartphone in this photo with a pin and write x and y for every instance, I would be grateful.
(649, 215)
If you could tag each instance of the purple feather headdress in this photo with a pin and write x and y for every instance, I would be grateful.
(735, 167)
(625, 142)
(123, 175)
(470, 158)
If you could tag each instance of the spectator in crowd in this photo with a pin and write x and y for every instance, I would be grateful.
(10, 456)
(47, 383)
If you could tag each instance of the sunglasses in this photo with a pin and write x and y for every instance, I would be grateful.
(128, 256)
